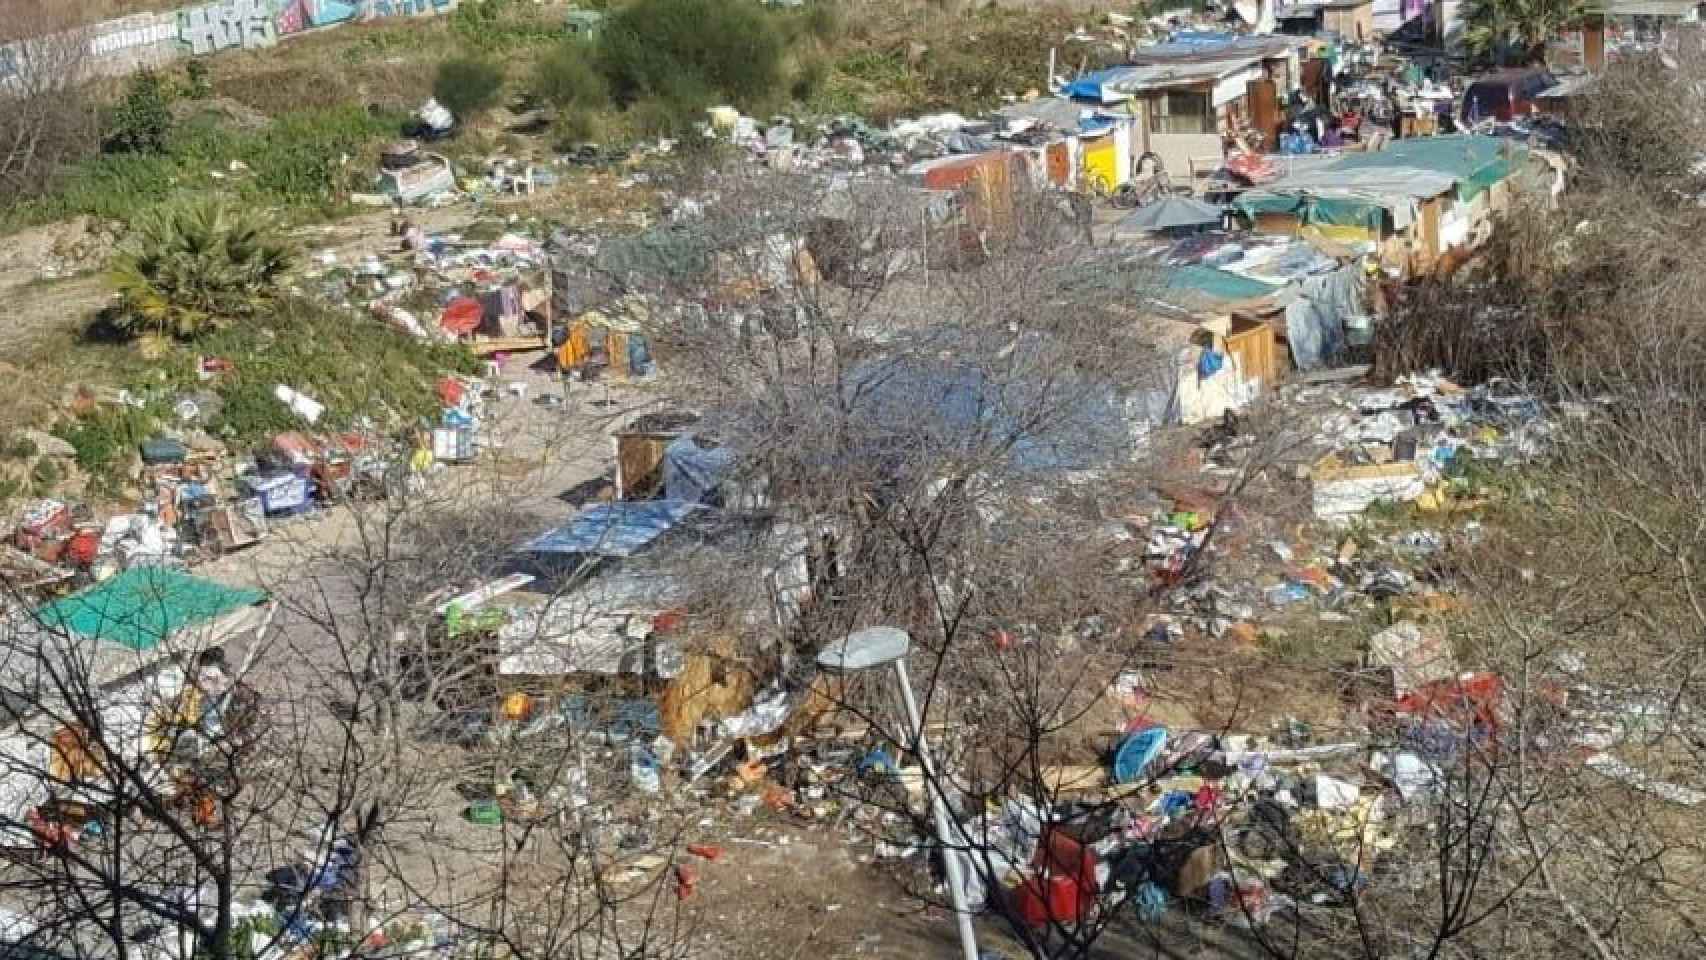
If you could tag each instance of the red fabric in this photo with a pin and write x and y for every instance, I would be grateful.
(1252, 167)
(462, 316)
(1207, 799)
(450, 391)
(1475, 698)
(84, 547)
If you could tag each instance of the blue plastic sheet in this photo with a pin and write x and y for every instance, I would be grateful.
(1137, 752)
(692, 473)
(613, 529)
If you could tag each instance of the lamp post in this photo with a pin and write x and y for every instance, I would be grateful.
(875, 647)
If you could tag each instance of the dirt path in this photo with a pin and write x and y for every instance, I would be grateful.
(50, 281)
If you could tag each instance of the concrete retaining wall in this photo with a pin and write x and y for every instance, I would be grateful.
(127, 44)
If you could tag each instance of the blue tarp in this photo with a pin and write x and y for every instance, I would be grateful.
(691, 473)
(613, 529)
(1089, 86)
(959, 410)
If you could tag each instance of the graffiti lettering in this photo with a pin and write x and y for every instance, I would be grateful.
(221, 26)
(107, 43)
(403, 8)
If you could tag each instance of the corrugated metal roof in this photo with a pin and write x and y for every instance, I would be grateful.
(1167, 76)
(1242, 45)
(613, 529)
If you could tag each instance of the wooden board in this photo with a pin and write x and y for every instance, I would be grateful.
(639, 464)
(1264, 109)
(486, 346)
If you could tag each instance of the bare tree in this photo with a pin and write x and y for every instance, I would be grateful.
(48, 117)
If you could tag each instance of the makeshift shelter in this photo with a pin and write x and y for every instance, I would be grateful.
(1222, 355)
(1424, 189)
(943, 410)
(131, 641)
(1169, 214)
(984, 181)
(613, 624)
(146, 609)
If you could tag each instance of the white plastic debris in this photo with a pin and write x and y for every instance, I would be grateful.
(1331, 793)
(1609, 766)
(299, 403)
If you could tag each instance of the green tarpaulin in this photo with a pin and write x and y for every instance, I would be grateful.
(1357, 189)
(1216, 283)
(143, 606)
(1328, 211)
(1475, 162)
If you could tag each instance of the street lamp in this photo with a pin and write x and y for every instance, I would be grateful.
(874, 647)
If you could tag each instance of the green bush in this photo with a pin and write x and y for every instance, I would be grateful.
(195, 267)
(566, 78)
(298, 157)
(468, 85)
(687, 54)
(656, 117)
(498, 25)
(45, 475)
(198, 82)
(141, 122)
(104, 438)
(357, 366)
(575, 126)
(809, 75)
(296, 161)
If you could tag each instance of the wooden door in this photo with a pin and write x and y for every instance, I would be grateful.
(1264, 110)
(1058, 158)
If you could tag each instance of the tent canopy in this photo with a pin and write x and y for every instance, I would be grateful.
(1171, 212)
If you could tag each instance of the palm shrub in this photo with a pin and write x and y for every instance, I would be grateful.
(194, 267)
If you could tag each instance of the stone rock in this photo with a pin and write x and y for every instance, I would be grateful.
(48, 445)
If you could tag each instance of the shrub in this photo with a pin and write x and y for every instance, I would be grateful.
(18, 448)
(45, 475)
(198, 83)
(565, 77)
(823, 20)
(809, 76)
(660, 117)
(357, 366)
(298, 158)
(195, 267)
(496, 25)
(467, 85)
(576, 126)
(142, 120)
(688, 53)
(102, 438)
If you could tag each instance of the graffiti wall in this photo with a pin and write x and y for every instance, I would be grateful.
(118, 47)
(229, 25)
